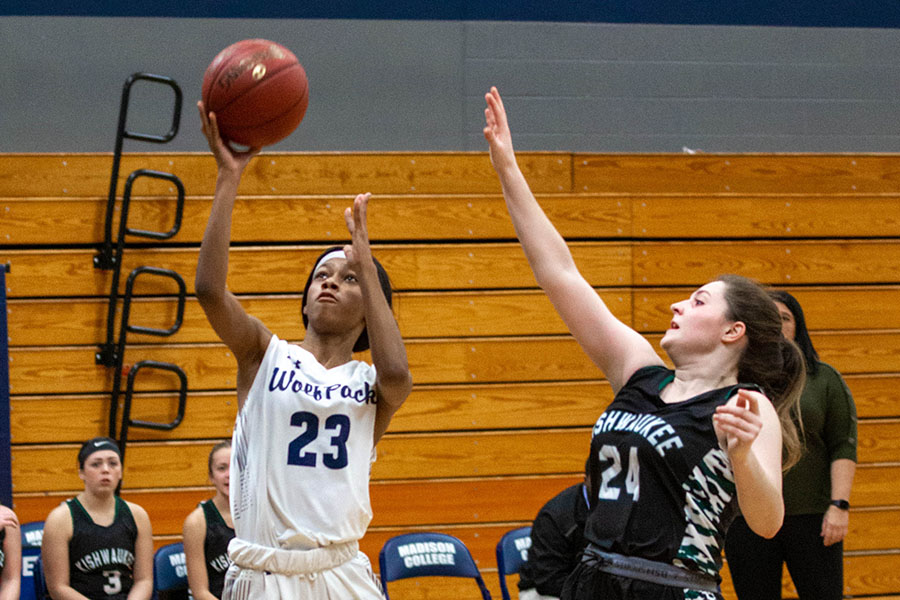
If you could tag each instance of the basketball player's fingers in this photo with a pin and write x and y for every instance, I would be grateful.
(735, 425)
(488, 128)
(495, 108)
(348, 219)
(204, 119)
(213, 126)
(490, 117)
(361, 210)
(751, 398)
(740, 413)
(500, 109)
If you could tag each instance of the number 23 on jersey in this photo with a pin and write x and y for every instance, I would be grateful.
(336, 429)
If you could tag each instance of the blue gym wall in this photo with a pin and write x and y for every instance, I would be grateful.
(634, 77)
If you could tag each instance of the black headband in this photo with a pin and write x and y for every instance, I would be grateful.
(96, 445)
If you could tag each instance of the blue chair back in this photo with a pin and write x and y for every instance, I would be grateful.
(32, 534)
(169, 569)
(39, 584)
(427, 554)
(512, 552)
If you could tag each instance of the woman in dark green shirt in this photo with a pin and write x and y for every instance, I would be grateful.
(816, 490)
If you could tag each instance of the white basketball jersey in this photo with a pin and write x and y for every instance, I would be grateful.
(302, 451)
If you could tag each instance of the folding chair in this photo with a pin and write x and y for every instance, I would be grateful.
(170, 572)
(427, 554)
(512, 552)
(32, 534)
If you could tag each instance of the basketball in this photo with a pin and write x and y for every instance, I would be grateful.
(258, 90)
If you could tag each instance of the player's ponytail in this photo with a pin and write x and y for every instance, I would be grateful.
(769, 360)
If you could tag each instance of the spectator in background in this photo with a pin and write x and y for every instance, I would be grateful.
(557, 539)
(10, 555)
(208, 529)
(96, 545)
(816, 490)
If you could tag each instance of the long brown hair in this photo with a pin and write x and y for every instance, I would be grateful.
(769, 360)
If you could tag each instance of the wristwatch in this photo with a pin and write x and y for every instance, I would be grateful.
(841, 504)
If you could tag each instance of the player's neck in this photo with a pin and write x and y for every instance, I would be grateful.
(98, 505)
(331, 351)
(694, 377)
(223, 505)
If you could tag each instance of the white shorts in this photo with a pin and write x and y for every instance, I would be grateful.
(350, 579)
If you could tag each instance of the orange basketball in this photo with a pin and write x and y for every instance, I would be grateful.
(258, 90)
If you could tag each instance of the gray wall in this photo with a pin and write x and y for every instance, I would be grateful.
(419, 85)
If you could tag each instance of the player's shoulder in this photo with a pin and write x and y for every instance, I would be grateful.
(196, 520)
(61, 510)
(138, 513)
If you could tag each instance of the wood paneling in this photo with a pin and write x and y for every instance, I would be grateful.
(737, 174)
(775, 216)
(394, 503)
(312, 218)
(499, 419)
(775, 263)
(61, 370)
(833, 308)
(64, 369)
(266, 270)
(400, 456)
(78, 321)
(87, 175)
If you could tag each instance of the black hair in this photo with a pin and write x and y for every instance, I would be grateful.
(801, 333)
(362, 342)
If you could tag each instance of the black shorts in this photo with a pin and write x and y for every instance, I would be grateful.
(588, 583)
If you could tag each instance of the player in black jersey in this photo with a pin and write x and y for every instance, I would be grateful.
(96, 545)
(10, 554)
(677, 451)
(208, 529)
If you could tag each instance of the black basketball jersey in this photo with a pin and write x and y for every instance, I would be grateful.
(661, 487)
(215, 547)
(101, 559)
(2, 554)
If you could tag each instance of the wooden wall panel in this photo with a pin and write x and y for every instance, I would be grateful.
(394, 503)
(209, 415)
(831, 308)
(775, 216)
(775, 263)
(261, 270)
(87, 175)
(312, 218)
(736, 173)
(400, 456)
(504, 398)
(78, 321)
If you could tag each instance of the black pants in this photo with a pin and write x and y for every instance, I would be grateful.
(756, 563)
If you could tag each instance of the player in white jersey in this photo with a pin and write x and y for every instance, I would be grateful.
(309, 415)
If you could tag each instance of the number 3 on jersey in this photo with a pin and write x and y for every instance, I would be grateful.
(632, 477)
(338, 424)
